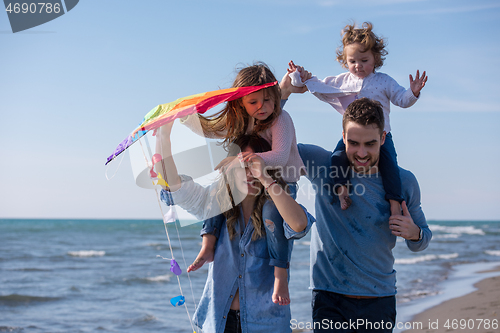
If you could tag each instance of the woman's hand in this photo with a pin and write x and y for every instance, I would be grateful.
(226, 163)
(166, 168)
(165, 131)
(256, 166)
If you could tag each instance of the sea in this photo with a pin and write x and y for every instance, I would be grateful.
(71, 275)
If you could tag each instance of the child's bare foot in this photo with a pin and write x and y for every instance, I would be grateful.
(343, 195)
(395, 208)
(280, 293)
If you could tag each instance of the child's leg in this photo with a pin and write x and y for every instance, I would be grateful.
(340, 173)
(280, 249)
(210, 233)
(389, 171)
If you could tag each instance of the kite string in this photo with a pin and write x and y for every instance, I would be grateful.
(114, 174)
(185, 264)
(168, 236)
(177, 230)
(172, 254)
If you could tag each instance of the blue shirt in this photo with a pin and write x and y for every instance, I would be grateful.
(351, 250)
(240, 264)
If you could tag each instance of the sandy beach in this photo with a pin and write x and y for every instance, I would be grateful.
(478, 311)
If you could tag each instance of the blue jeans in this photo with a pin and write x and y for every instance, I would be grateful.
(388, 166)
(233, 322)
(337, 313)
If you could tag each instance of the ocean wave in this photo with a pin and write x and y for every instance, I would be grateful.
(458, 230)
(408, 297)
(145, 319)
(445, 236)
(141, 321)
(150, 279)
(11, 329)
(427, 257)
(17, 299)
(86, 253)
(29, 269)
(159, 278)
(155, 244)
(492, 253)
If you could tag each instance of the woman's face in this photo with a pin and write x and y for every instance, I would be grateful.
(245, 181)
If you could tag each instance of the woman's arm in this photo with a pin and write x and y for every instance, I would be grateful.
(198, 200)
(166, 167)
(289, 209)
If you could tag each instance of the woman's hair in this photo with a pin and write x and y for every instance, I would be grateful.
(367, 39)
(258, 145)
(233, 120)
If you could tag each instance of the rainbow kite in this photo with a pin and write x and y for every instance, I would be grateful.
(199, 103)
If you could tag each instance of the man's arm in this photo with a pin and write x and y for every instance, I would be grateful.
(412, 225)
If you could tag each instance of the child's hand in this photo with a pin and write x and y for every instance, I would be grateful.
(417, 84)
(403, 225)
(206, 253)
(286, 83)
(304, 75)
(199, 262)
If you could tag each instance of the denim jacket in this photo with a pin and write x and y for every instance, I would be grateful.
(238, 264)
(241, 264)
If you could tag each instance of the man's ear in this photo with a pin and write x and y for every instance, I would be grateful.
(382, 138)
(344, 138)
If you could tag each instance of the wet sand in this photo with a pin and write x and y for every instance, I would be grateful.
(478, 311)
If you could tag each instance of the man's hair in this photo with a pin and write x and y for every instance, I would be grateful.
(364, 111)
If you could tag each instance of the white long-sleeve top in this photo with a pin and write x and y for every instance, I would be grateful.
(339, 91)
(281, 136)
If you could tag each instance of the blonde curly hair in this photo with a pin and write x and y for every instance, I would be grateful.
(365, 37)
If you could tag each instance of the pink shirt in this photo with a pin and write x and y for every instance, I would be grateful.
(281, 136)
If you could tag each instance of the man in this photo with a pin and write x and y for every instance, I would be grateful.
(352, 274)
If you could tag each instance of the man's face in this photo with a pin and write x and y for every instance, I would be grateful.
(363, 146)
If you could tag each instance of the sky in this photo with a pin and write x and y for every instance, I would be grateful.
(73, 88)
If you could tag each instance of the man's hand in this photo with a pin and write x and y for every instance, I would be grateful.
(403, 225)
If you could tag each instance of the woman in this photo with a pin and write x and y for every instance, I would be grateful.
(238, 292)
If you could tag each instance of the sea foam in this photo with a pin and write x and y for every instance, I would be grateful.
(427, 257)
(469, 230)
(86, 253)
